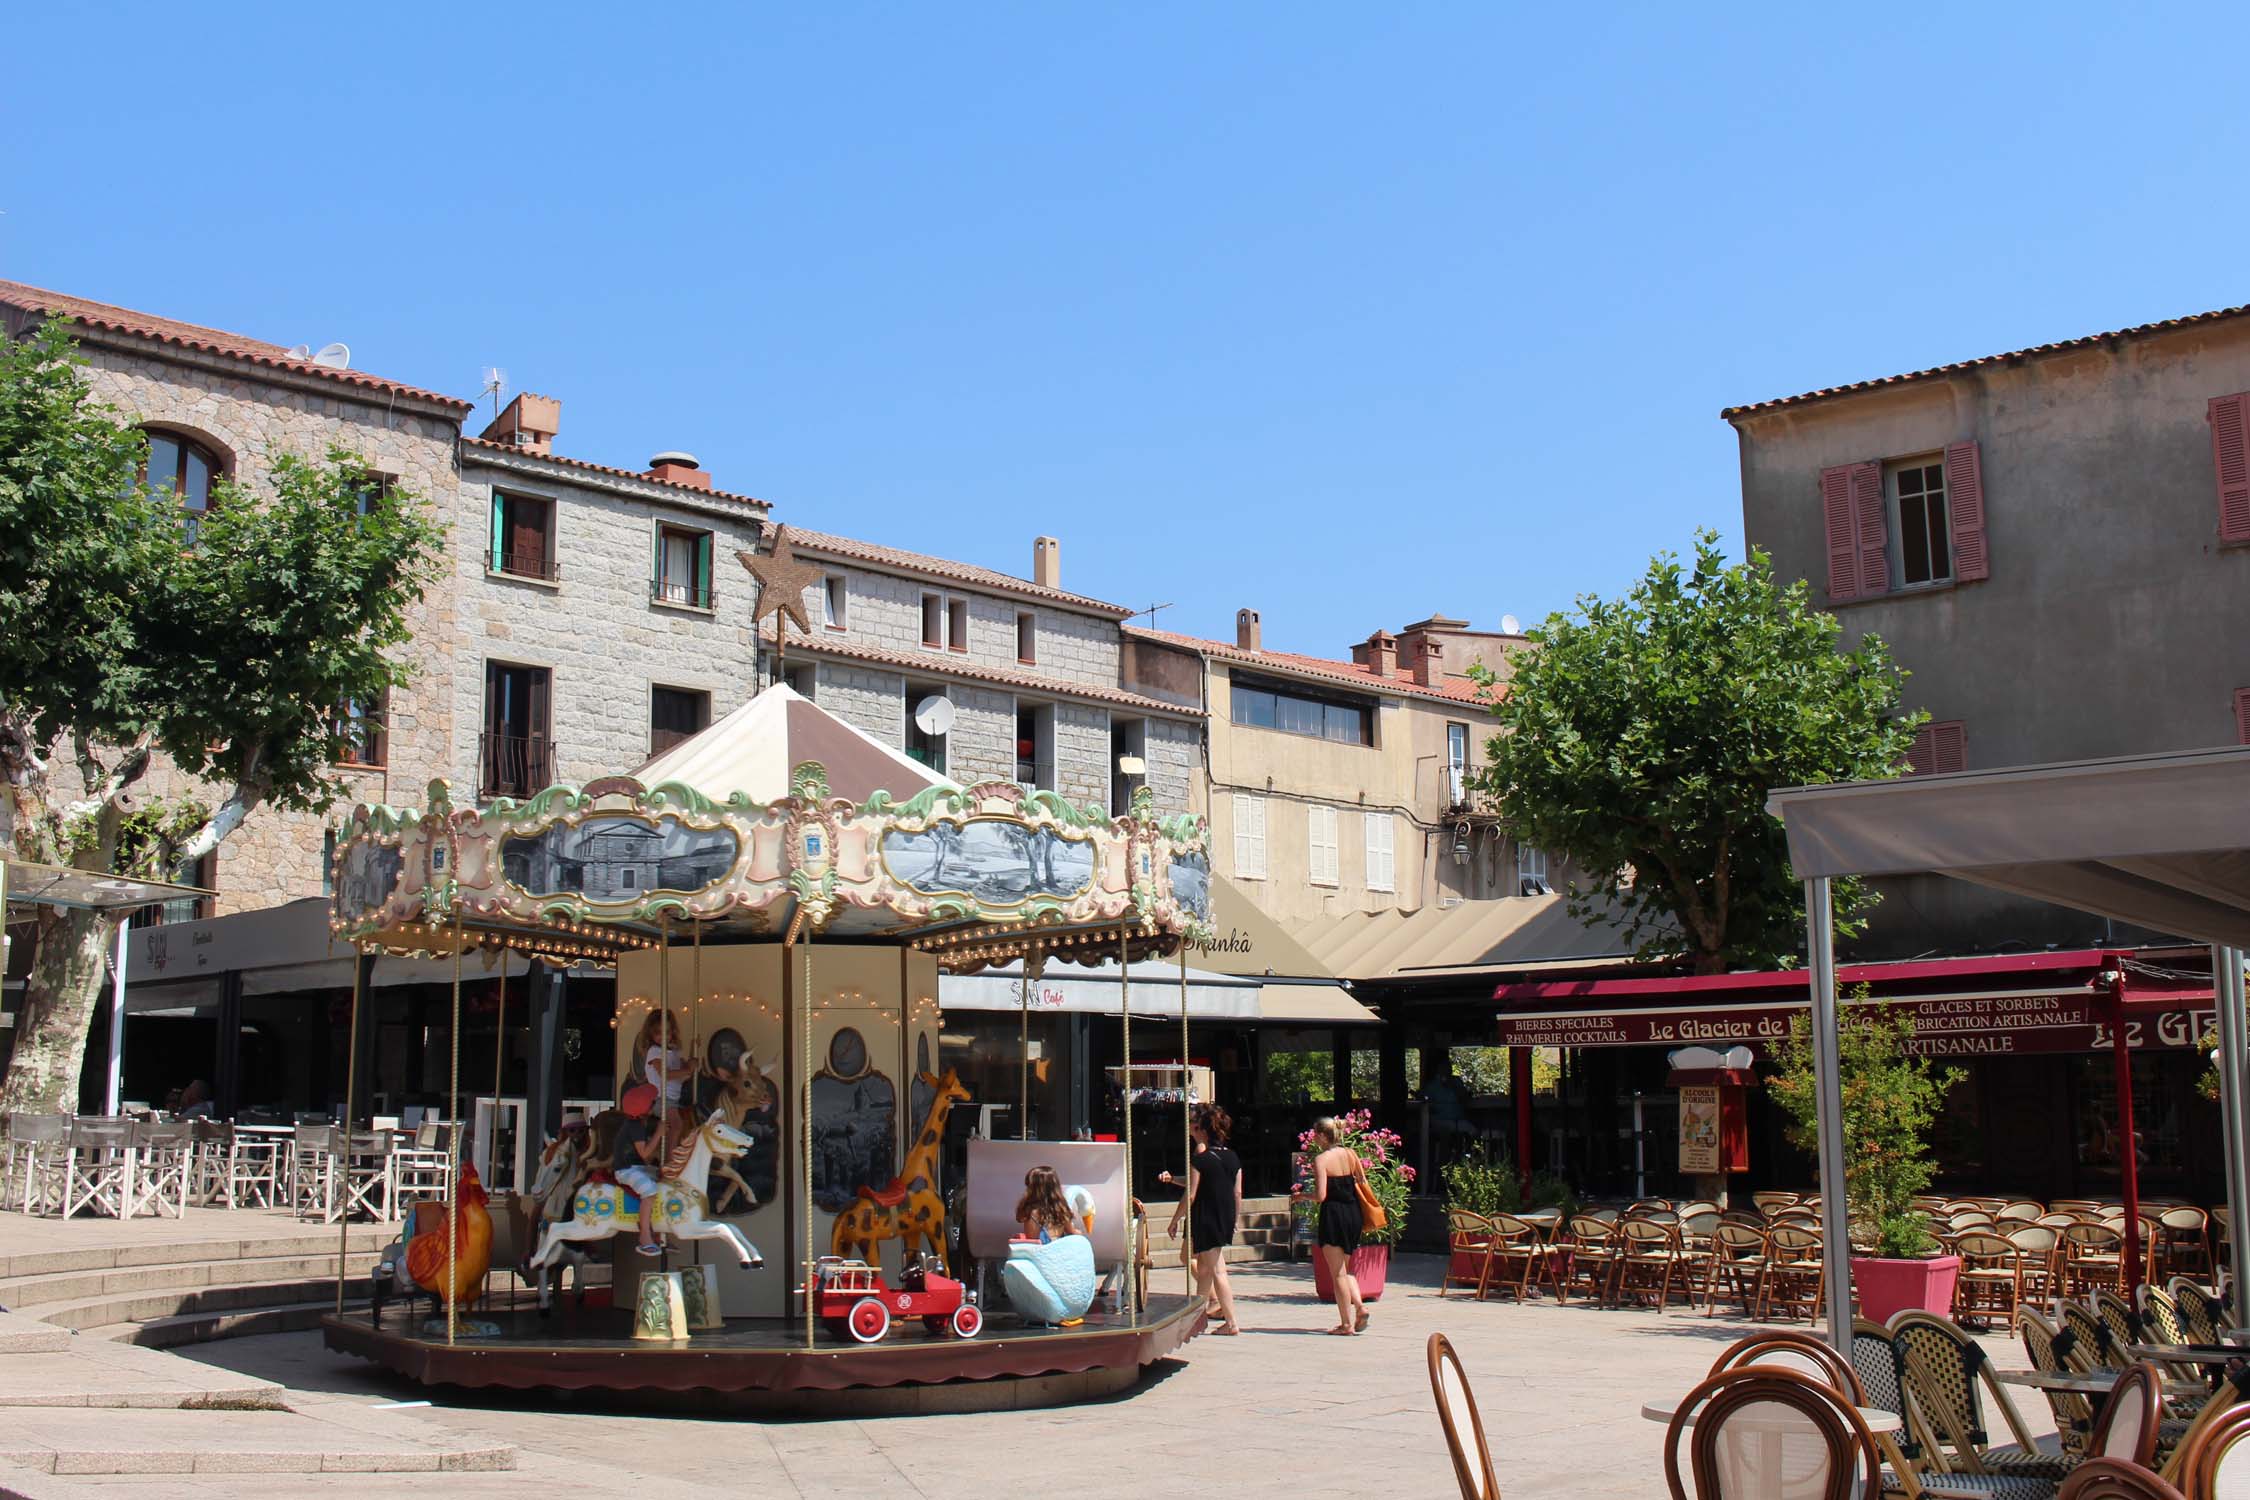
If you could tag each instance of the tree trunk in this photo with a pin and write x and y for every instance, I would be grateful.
(59, 997)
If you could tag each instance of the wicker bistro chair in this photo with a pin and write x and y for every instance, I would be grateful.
(1589, 1258)
(2049, 1347)
(2088, 1344)
(1795, 1277)
(2022, 1211)
(1947, 1377)
(2160, 1315)
(2203, 1314)
(2183, 1244)
(2039, 1271)
(1736, 1257)
(1697, 1225)
(1468, 1257)
(1770, 1203)
(1649, 1256)
(1773, 1434)
(1990, 1284)
(1519, 1255)
(1457, 1415)
(2118, 1319)
(1800, 1352)
(2093, 1255)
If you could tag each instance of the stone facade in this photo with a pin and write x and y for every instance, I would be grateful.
(249, 416)
(597, 628)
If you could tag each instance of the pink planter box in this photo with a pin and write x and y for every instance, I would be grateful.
(1888, 1287)
(1368, 1265)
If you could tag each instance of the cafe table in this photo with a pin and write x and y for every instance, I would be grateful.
(2188, 1354)
(2088, 1382)
(1878, 1420)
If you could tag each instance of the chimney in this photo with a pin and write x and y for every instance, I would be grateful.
(529, 422)
(678, 468)
(1046, 562)
(1428, 664)
(1378, 653)
(1246, 632)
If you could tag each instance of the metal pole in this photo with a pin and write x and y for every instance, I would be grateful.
(1519, 1084)
(113, 1094)
(805, 1122)
(1187, 1121)
(1132, 1221)
(452, 1151)
(2226, 996)
(2128, 1160)
(1023, 1052)
(1835, 1214)
(351, 1101)
(1640, 1157)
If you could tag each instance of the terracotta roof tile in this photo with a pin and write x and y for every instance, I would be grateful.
(1936, 372)
(939, 567)
(580, 463)
(947, 664)
(206, 340)
(1449, 689)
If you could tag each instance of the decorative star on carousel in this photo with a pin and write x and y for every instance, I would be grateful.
(782, 581)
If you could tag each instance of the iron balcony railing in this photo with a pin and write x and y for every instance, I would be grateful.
(514, 765)
(670, 591)
(529, 565)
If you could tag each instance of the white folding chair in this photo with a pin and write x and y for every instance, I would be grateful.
(98, 1170)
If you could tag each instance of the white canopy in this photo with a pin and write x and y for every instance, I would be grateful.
(753, 750)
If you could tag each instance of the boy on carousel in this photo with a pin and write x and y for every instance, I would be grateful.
(638, 1149)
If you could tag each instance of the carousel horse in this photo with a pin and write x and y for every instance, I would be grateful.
(599, 1210)
(563, 1167)
(909, 1210)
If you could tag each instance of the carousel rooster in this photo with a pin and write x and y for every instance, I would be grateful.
(427, 1252)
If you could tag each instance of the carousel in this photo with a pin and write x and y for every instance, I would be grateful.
(772, 1189)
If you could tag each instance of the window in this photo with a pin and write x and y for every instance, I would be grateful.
(523, 537)
(1456, 764)
(1035, 746)
(1249, 837)
(1938, 748)
(1027, 637)
(683, 567)
(801, 678)
(926, 745)
(1382, 857)
(328, 863)
(1531, 871)
(1320, 846)
(371, 490)
(933, 621)
(833, 601)
(361, 739)
(202, 872)
(186, 468)
(1294, 710)
(957, 624)
(2229, 417)
(675, 714)
(1128, 763)
(516, 752)
(1922, 547)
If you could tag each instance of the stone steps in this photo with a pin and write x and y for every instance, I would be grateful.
(146, 1306)
(335, 1437)
(25, 1292)
(312, 1239)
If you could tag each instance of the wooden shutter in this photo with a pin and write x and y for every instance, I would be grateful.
(1836, 513)
(499, 530)
(2229, 417)
(1320, 838)
(656, 578)
(1249, 837)
(1964, 510)
(1381, 853)
(1938, 749)
(376, 738)
(2242, 716)
(527, 537)
(1870, 530)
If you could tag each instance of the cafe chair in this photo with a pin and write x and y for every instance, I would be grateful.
(1735, 1256)
(1948, 1378)
(2048, 1347)
(2202, 1312)
(1468, 1258)
(1794, 1273)
(1773, 1434)
(2093, 1256)
(1990, 1284)
(2213, 1459)
(1519, 1256)
(1648, 1258)
(1457, 1415)
(2160, 1315)
(1588, 1244)
(1786, 1349)
(2089, 1347)
(2112, 1479)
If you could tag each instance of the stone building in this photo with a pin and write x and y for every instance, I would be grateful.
(219, 405)
(2054, 542)
(603, 614)
(1028, 676)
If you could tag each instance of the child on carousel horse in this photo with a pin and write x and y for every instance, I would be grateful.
(638, 1149)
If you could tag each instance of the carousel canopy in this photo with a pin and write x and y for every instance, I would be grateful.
(854, 841)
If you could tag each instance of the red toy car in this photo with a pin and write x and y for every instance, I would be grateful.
(850, 1297)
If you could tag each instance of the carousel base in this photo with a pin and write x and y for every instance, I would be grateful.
(761, 1365)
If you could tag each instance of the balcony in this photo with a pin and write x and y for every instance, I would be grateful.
(537, 565)
(687, 595)
(513, 765)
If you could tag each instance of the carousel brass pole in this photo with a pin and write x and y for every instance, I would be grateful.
(453, 1149)
(1023, 1051)
(1133, 1223)
(804, 1125)
(499, 1070)
(695, 1019)
(351, 1100)
(663, 1025)
(1187, 1119)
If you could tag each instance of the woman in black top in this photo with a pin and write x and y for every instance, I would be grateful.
(1212, 1203)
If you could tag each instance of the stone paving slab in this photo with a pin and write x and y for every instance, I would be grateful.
(93, 1372)
(532, 1474)
(22, 1335)
(57, 1440)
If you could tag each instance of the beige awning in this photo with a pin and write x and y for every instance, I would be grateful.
(1312, 1005)
(1249, 942)
(1470, 935)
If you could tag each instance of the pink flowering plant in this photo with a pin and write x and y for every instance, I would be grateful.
(1388, 1175)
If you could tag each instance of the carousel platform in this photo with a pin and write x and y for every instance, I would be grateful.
(759, 1365)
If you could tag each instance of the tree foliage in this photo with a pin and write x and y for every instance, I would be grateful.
(122, 638)
(1641, 736)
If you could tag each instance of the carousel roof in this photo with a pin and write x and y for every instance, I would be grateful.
(754, 749)
(779, 820)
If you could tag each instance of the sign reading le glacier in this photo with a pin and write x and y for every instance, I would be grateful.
(1947, 1026)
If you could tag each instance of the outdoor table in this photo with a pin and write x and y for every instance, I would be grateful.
(2090, 1382)
(1878, 1420)
(2189, 1354)
(2236, 1335)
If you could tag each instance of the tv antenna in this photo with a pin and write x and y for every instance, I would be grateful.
(495, 382)
(1151, 613)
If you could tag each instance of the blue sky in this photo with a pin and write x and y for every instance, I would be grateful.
(1349, 313)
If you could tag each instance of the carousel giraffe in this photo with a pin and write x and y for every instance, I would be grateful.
(910, 1210)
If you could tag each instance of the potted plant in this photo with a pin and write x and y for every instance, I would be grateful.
(1891, 1099)
(1388, 1177)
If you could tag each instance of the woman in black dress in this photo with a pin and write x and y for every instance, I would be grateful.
(1337, 1173)
(1212, 1204)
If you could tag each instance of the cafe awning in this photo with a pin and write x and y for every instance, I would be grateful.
(30, 884)
(1156, 994)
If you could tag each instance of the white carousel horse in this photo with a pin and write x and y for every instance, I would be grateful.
(599, 1210)
(562, 1168)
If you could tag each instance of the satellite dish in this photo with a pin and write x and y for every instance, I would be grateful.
(934, 714)
(299, 352)
(334, 356)
(1510, 625)
(1131, 765)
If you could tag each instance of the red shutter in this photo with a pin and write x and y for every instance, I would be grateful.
(1871, 530)
(1836, 510)
(2242, 715)
(2229, 417)
(1938, 749)
(1964, 508)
